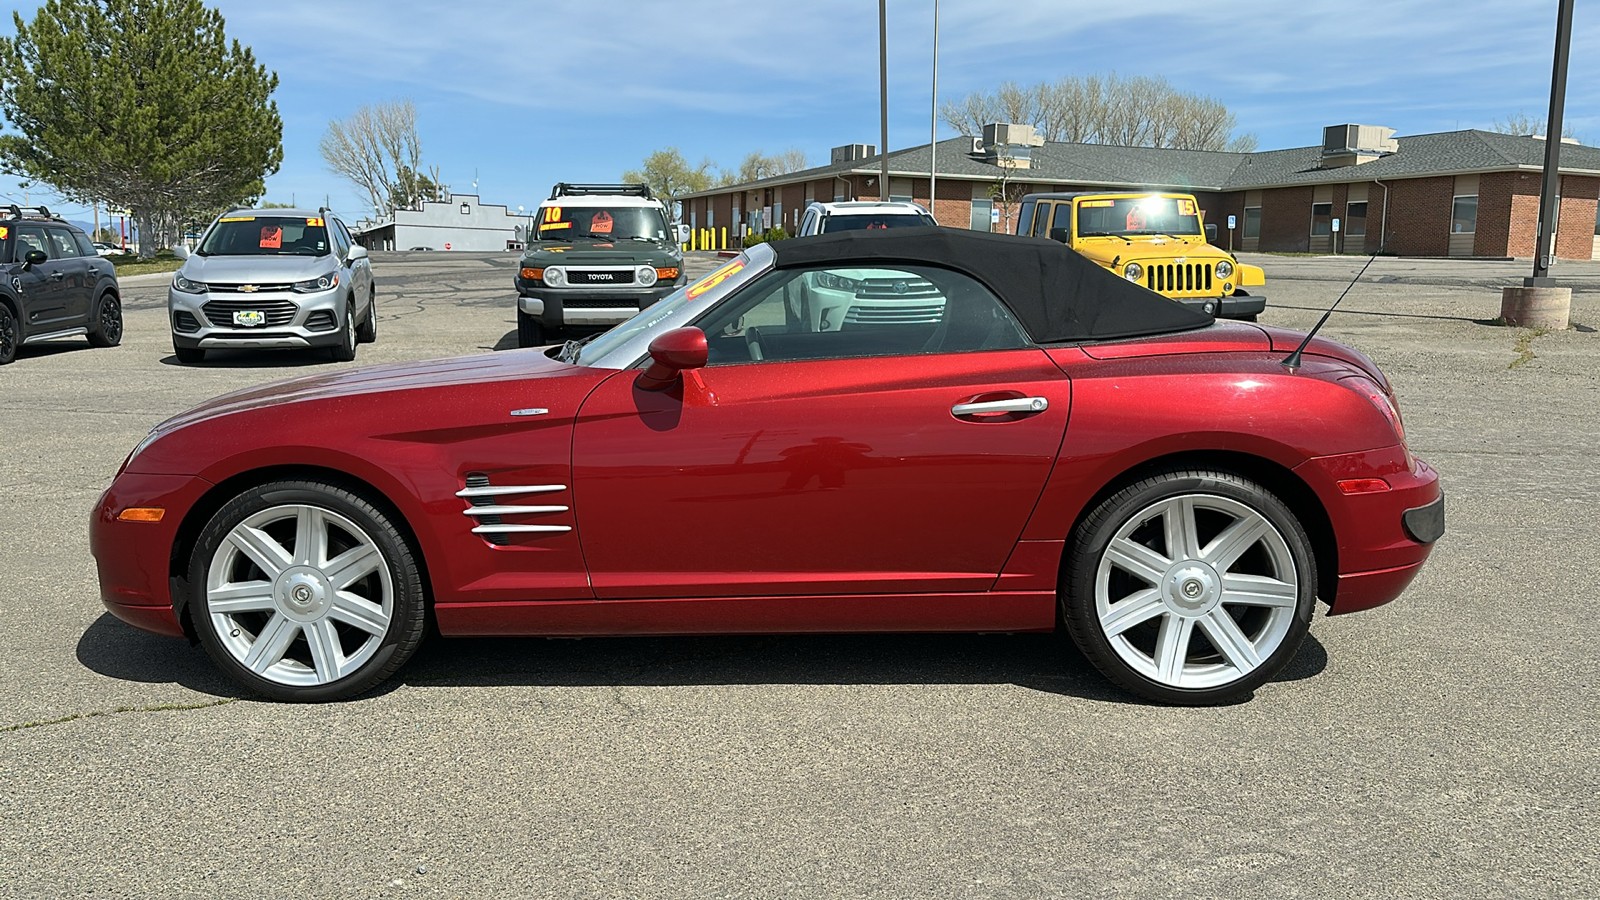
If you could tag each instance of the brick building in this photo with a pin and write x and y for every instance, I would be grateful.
(1456, 193)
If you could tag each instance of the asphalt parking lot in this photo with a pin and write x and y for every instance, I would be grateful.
(1442, 746)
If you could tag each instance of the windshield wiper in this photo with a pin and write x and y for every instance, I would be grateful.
(597, 237)
(1103, 234)
(571, 350)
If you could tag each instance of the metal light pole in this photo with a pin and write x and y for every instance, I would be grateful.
(1549, 212)
(933, 126)
(883, 97)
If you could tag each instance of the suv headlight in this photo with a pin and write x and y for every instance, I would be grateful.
(322, 283)
(184, 285)
(645, 275)
(1133, 271)
(555, 276)
(1224, 269)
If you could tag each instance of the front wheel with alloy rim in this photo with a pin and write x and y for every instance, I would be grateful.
(107, 330)
(345, 350)
(10, 335)
(367, 331)
(304, 591)
(1190, 587)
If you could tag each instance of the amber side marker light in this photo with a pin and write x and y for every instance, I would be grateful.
(532, 274)
(151, 514)
(669, 273)
(1363, 486)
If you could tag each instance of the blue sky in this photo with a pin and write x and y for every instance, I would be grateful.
(518, 95)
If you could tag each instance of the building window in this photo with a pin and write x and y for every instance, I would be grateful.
(982, 213)
(1252, 221)
(1464, 215)
(1321, 219)
(466, 209)
(1355, 219)
(1597, 219)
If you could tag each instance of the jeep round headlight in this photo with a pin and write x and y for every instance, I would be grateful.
(1133, 271)
(645, 275)
(555, 276)
(322, 283)
(180, 283)
(1224, 269)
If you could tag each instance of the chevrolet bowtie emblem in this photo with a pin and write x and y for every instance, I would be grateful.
(248, 289)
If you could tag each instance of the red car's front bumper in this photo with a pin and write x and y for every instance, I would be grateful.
(1385, 535)
(135, 557)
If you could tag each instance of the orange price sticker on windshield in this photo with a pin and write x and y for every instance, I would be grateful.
(4, 232)
(314, 222)
(715, 278)
(601, 223)
(271, 237)
(1185, 207)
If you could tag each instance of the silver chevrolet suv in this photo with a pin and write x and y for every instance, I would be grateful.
(281, 278)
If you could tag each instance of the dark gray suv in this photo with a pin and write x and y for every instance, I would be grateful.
(54, 284)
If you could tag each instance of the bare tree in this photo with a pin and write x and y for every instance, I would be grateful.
(758, 165)
(378, 150)
(1522, 123)
(1093, 109)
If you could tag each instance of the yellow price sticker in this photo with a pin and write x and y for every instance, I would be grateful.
(4, 232)
(1096, 204)
(237, 219)
(314, 222)
(1185, 207)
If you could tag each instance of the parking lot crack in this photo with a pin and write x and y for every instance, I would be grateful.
(1524, 347)
(155, 707)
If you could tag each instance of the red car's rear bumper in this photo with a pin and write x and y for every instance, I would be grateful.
(134, 558)
(1384, 536)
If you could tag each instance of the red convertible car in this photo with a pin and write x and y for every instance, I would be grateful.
(914, 430)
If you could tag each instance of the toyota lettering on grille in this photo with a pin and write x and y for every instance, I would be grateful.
(601, 276)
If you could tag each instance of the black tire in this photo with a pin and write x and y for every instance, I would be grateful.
(345, 350)
(530, 331)
(1246, 634)
(106, 329)
(10, 334)
(367, 331)
(393, 605)
(189, 355)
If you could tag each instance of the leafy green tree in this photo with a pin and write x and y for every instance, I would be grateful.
(140, 104)
(412, 187)
(670, 176)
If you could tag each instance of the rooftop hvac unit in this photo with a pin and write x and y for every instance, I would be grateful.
(1341, 139)
(852, 152)
(1008, 134)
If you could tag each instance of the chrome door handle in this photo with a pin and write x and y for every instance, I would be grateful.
(1019, 405)
(57, 276)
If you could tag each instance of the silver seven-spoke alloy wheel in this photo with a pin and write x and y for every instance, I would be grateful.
(304, 591)
(1191, 587)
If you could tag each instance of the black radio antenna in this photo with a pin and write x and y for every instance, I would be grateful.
(1292, 361)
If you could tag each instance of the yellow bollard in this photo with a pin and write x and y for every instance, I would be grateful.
(723, 244)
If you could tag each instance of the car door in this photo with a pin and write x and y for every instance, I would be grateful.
(41, 284)
(75, 284)
(891, 458)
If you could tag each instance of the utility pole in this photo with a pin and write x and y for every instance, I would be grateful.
(933, 127)
(883, 97)
(1549, 212)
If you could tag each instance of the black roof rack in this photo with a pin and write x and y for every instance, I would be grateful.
(42, 212)
(564, 189)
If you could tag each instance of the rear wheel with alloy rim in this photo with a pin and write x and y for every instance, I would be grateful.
(1190, 587)
(345, 350)
(107, 330)
(304, 591)
(10, 335)
(367, 332)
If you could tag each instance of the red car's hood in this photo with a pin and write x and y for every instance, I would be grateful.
(433, 373)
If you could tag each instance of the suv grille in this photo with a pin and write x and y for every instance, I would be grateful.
(1178, 278)
(600, 303)
(885, 315)
(608, 276)
(278, 312)
(255, 288)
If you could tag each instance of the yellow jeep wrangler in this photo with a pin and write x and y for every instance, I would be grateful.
(1154, 239)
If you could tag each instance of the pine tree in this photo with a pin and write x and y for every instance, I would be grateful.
(139, 104)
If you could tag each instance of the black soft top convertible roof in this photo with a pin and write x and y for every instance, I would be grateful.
(1056, 293)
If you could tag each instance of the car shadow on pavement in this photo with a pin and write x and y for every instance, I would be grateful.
(1043, 662)
(253, 359)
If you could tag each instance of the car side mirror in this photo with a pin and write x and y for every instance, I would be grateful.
(1064, 235)
(683, 234)
(1211, 232)
(34, 257)
(671, 353)
(357, 252)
